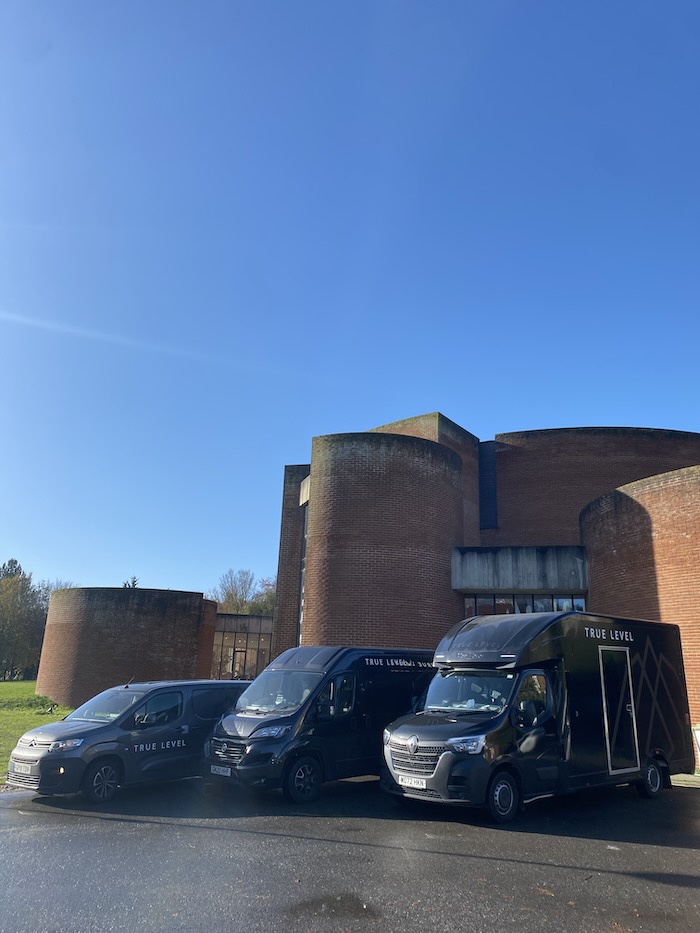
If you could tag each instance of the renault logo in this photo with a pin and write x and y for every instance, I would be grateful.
(412, 744)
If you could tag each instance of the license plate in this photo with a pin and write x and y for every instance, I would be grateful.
(224, 772)
(19, 767)
(417, 783)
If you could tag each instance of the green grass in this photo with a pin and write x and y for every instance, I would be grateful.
(21, 710)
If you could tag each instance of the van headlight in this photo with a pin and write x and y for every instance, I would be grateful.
(386, 735)
(270, 732)
(63, 745)
(469, 744)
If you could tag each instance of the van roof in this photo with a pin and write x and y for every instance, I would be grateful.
(154, 684)
(323, 658)
(504, 639)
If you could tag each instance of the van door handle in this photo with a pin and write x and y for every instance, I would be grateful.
(183, 730)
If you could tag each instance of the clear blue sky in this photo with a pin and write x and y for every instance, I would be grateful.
(226, 227)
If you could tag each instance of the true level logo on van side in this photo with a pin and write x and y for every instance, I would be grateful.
(608, 634)
(396, 662)
(160, 746)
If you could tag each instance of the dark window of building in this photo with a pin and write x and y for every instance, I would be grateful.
(242, 650)
(486, 604)
(544, 603)
(302, 570)
(488, 501)
(523, 603)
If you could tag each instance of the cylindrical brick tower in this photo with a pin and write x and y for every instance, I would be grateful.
(544, 478)
(99, 637)
(384, 513)
(643, 547)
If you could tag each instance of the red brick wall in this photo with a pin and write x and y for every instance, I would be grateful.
(384, 513)
(96, 638)
(643, 547)
(286, 616)
(438, 428)
(545, 478)
(205, 639)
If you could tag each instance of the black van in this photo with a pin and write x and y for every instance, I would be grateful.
(125, 735)
(531, 705)
(315, 714)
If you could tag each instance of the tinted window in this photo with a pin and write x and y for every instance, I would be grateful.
(213, 703)
(160, 709)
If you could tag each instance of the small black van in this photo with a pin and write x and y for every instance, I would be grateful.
(315, 714)
(531, 705)
(129, 734)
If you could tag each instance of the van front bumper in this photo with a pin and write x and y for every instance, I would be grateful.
(457, 779)
(262, 767)
(50, 774)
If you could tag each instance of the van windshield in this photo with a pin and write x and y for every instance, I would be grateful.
(107, 705)
(469, 690)
(274, 691)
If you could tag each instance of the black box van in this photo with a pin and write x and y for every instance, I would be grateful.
(525, 706)
(315, 714)
(125, 735)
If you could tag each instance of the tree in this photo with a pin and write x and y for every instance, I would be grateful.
(131, 584)
(265, 599)
(23, 608)
(238, 592)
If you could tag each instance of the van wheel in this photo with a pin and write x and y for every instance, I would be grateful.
(503, 797)
(302, 783)
(652, 781)
(101, 781)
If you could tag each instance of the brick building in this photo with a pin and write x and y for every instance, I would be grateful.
(97, 637)
(389, 537)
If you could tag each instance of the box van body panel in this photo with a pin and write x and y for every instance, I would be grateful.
(593, 700)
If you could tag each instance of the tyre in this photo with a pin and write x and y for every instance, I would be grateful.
(652, 780)
(503, 797)
(302, 783)
(101, 780)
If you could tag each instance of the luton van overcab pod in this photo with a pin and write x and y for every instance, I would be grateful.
(125, 735)
(530, 705)
(315, 714)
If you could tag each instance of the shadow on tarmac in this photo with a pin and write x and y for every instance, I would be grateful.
(615, 814)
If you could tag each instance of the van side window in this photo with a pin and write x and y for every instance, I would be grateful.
(161, 709)
(345, 694)
(533, 689)
(337, 697)
(211, 704)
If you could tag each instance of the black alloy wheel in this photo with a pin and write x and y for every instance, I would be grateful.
(101, 781)
(302, 783)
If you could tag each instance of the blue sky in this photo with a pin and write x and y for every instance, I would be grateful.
(226, 227)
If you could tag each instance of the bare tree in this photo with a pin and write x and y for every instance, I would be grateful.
(238, 592)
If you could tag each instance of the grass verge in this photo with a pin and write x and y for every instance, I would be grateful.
(21, 710)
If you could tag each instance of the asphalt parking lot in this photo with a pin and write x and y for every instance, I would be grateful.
(176, 858)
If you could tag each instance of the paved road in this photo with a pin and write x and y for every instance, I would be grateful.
(171, 859)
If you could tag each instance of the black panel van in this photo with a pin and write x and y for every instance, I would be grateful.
(315, 714)
(130, 734)
(525, 706)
